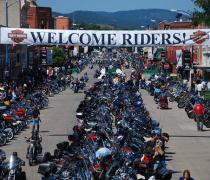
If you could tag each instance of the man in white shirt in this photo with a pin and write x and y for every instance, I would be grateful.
(204, 84)
(199, 89)
(208, 86)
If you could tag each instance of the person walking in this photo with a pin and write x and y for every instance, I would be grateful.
(208, 86)
(36, 119)
(199, 113)
(199, 88)
(186, 175)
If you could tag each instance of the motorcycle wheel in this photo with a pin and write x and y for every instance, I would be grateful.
(172, 99)
(3, 141)
(31, 157)
(181, 105)
(10, 135)
(190, 114)
(187, 109)
(15, 130)
(22, 176)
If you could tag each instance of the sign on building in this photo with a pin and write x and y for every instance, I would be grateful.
(104, 38)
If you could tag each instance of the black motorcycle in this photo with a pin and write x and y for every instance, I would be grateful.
(33, 150)
(15, 168)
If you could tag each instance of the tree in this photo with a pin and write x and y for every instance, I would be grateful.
(202, 14)
(59, 57)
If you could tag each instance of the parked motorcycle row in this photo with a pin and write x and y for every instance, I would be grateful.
(114, 138)
(16, 115)
(176, 91)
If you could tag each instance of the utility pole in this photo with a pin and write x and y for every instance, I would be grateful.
(7, 69)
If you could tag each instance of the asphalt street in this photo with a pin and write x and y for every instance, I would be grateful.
(187, 148)
(57, 122)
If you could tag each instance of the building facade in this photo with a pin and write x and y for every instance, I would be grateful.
(40, 17)
(62, 23)
(17, 11)
(172, 51)
(17, 18)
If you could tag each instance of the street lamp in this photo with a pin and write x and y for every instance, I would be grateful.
(182, 12)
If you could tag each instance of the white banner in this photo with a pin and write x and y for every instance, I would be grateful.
(104, 38)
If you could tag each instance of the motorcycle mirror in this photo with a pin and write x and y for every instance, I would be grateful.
(119, 122)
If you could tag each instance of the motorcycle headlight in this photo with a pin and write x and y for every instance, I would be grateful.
(12, 172)
(65, 174)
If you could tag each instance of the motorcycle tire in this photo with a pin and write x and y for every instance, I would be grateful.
(190, 114)
(22, 176)
(10, 135)
(172, 99)
(15, 130)
(181, 105)
(206, 123)
(31, 157)
(76, 90)
(51, 94)
(3, 141)
(187, 109)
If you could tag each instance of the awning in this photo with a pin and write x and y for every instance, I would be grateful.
(201, 66)
(158, 53)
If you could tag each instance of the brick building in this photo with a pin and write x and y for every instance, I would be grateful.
(62, 23)
(176, 25)
(39, 17)
(171, 51)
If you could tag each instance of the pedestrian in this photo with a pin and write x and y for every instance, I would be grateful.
(199, 88)
(186, 175)
(203, 84)
(199, 115)
(208, 85)
(36, 119)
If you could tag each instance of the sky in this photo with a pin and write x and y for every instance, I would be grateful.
(67, 6)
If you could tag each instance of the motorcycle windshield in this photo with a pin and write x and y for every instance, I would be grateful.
(13, 162)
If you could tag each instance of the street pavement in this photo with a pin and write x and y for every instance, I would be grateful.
(187, 148)
(57, 122)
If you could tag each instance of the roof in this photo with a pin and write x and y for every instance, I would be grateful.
(177, 24)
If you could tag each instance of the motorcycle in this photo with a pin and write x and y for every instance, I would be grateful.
(33, 150)
(15, 168)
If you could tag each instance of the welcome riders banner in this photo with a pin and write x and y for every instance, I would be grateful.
(104, 38)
